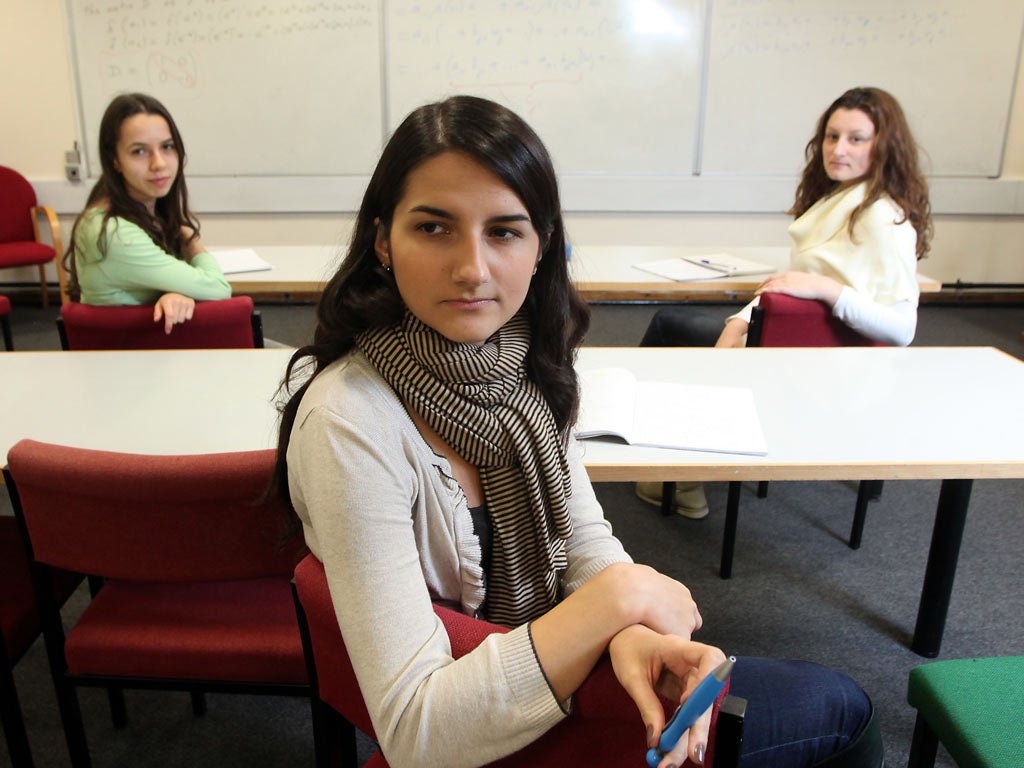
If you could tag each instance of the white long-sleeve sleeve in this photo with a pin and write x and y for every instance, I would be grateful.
(893, 324)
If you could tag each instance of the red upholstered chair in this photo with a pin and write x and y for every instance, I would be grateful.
(21, 242)
(603, 731)
(226, 324)
(786, 321)
(5, 323)
(195, 564)
(19, 628)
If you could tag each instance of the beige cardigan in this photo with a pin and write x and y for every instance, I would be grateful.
(392, 527)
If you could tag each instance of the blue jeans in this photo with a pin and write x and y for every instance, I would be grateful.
(798, 713)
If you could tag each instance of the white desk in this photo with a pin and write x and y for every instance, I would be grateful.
(294, 269)
(827, 414)
(844, 413)
(609, 272)
(178, 402)
(601, 272)
(851, 414)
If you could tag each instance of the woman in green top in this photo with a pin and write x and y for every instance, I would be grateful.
(136, 242)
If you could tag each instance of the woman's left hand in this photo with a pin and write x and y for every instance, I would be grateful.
(173, 308)
(802, 285)
(191, 244)
(646, 664)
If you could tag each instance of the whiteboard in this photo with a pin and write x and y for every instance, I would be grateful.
(776, 65)
(609, 85)
(278, 88)
(634, 98)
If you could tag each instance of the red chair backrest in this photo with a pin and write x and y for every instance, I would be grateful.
(601, 732)
(224, 324)
(787, 321)
(19, 618)
(16, 198)
(136, 517)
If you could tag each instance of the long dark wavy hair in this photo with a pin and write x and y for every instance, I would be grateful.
(362, 295)
(895, 170)
(171, 210)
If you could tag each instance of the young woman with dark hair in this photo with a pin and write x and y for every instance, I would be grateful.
(427, 455)
(137, 242)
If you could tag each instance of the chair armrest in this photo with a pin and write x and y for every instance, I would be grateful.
(729, 732)
(58, 244)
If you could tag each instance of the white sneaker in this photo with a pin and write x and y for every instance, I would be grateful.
(689, 500)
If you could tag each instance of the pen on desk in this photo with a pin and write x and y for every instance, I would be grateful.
(703, 696)
(716, 265)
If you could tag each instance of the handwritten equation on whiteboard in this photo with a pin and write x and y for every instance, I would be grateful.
(162, 42)
(283, 69)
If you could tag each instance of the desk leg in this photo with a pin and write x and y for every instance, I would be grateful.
(732, 517)
(668, 498)
(950, 518)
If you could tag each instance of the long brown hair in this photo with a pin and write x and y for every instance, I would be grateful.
(171, 210)
(895, 170)
(361, 295)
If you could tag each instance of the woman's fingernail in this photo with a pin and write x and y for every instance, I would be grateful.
(700, 754)
(650, 735)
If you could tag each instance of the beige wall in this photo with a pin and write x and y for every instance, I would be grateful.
(39, 126)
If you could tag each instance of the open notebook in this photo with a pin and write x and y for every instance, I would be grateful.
(704, 267)
(690, 417)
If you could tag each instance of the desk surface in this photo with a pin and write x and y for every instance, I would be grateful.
(602, 272)
(176, 402)
(848, 413)
(839, 414)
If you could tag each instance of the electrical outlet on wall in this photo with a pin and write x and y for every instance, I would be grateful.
(73, 164)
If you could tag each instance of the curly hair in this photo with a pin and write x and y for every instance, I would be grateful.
(171, 211)
(362, 295)
(895, 170)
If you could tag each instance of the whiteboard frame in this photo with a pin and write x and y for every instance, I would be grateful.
(580, 194)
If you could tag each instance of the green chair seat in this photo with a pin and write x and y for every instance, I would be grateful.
(974, 707)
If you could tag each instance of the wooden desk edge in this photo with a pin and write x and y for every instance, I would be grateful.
(619, 472)
(256, 287)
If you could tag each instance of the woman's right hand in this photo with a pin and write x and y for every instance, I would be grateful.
(173, 308)
(802, 285)
(648, 664)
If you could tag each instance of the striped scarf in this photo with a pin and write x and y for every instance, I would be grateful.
(480, 401)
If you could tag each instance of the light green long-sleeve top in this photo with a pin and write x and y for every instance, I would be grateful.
(135, 270)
